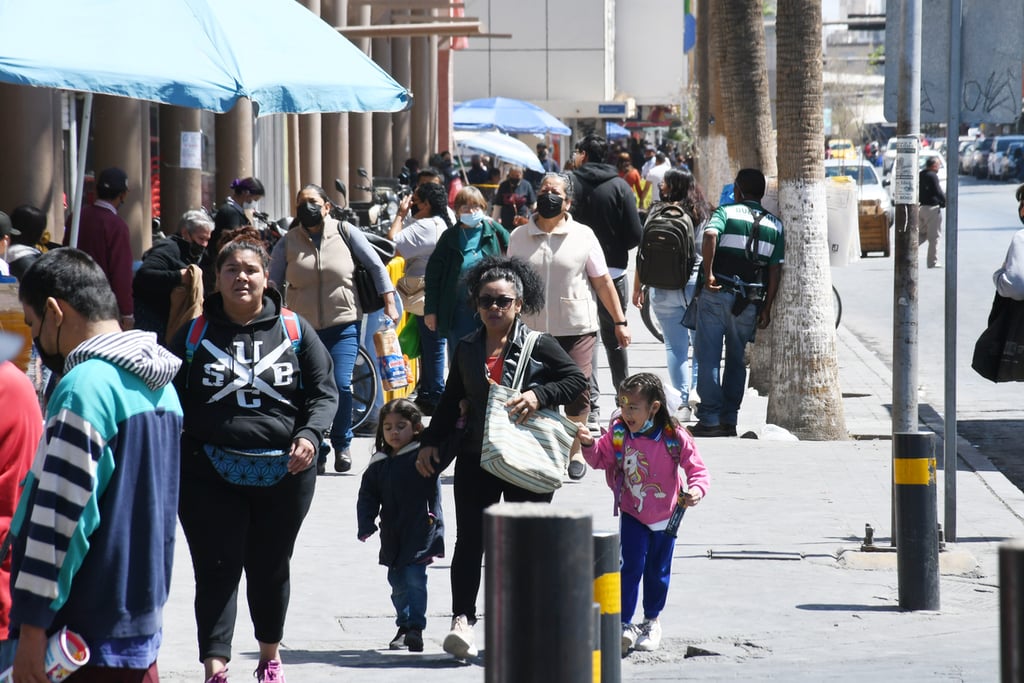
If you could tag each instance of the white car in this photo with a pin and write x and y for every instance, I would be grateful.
(869, 185)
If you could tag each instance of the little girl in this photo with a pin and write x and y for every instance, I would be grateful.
(411, 525)
(641, 456)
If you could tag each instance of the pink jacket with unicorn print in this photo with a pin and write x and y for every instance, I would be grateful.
(643, 472)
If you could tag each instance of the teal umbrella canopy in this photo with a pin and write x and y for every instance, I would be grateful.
(202, 54)
(506, 115)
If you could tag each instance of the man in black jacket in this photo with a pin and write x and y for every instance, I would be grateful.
(606, 204)
(932, 200)
(164, 267)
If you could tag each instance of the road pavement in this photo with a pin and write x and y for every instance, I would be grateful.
(768, 579)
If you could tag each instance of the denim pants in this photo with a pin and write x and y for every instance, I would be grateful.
(646, 556)
(669, 306)
(720, 399)
(409, 595)
(342, 341)
(432, 359)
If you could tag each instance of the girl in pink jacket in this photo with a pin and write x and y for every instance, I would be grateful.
(642, 455)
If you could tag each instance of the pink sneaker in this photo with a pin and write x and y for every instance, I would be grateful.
(270, 672)
(219, 677)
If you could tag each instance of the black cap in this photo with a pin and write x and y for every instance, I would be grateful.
(6, 228)
(113, 179)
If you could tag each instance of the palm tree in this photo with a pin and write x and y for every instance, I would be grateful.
(804, 396)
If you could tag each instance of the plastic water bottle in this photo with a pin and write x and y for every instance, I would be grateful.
(677, 516)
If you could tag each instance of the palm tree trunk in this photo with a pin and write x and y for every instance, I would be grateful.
(805, 396)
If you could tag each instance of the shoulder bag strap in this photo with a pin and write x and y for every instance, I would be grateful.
(524, 359)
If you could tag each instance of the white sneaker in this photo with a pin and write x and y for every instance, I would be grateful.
(694, 399)
(650, 636)
(459, 641)
(684, 414)
(630, 632)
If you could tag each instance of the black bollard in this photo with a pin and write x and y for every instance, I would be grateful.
(917, 547)
(539, 598)
(1011, 610)
(608, 593)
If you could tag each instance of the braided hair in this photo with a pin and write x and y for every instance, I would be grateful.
(436, 198)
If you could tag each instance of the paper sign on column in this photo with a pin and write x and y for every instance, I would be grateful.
(191, 150)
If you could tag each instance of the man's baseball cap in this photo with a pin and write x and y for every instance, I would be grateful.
(6, 228)
(10, 345)
(113, 179)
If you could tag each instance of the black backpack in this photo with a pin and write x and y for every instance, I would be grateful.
(667, 250)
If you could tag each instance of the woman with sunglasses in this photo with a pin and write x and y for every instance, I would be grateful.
(501, 288)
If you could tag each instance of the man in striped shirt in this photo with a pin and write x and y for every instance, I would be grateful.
(94, 529)
(743, 253)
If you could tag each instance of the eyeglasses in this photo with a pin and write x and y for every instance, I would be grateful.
(502, 302)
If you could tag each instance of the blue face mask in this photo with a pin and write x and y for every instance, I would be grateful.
(471, 220)
(646, 426)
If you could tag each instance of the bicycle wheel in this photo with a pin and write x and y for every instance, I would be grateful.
(651, 320)
(365, 386)
(837, 305)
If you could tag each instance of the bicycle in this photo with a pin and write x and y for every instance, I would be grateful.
(365, 385)
(652, 324)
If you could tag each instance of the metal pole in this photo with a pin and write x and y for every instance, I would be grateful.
(83, 145)
(608, 594)
(539, 599)
(1011, 610)
(596, 644)
(917, 557)
(949, 460)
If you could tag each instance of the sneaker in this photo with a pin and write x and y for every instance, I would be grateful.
(459, 641)
(219, 677)
(630, 633)
(694, 399)
(398, 642)
(414, 640)
(684, 414)
(594, 422)
(342, 460)
(701, 429)
(270, 672)
(577, 469)
(650, 636)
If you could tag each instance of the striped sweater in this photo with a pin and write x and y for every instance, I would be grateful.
(95, 524)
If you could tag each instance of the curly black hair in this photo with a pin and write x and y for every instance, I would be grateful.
(528, 283)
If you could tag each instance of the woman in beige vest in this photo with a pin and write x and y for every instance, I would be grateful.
(570, 261)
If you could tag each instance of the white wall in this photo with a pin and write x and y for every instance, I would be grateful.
(650, 65)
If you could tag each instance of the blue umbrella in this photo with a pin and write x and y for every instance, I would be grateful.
(193, 53)
(615, 131)
(506, 115)
(500, 145)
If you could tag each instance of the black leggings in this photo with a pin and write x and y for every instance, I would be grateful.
(475, 490)
(230, 528)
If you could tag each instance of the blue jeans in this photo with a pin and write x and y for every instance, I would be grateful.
(720, 399)
(342, 341)
(7, 650)
(669, 306)
(432, 359)
(647, 556)
(409, 595)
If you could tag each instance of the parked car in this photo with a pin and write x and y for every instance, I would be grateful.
(922, 160)
(998, 159)
(965, 159)
(979, 162)
(869, 185)
(841, 148)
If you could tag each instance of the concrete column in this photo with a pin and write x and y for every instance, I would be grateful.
(26, 137)
(335, 126)
(444, 98)
(233, 148)
(432, 134)
(420, 123)
(180, 188)
(401, 71)
(310, 135)
(382, 153)
(119, 138)
(360, 125)
(294, 172)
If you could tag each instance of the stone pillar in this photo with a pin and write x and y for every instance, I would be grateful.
(233, 148)
(29, 175)
(335, 126)
(310, 135)
(180, 188)
(420, 124)
(382, 153)
(360, 126)
(444, 99)
(121, 138)
(401, 71)
(432, 135)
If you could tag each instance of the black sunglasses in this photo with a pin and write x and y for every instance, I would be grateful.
(502, 302)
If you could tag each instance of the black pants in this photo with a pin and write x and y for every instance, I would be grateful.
(475, 490)
(618, 362)
(230, 528)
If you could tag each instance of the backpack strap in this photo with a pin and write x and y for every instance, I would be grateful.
(196, 332)
(290, 324)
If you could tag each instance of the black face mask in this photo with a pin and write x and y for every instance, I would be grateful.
(196, 251)
(309, 215)
(549, 205)
(53, 361)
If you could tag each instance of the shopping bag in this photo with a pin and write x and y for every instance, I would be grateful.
(999, 351)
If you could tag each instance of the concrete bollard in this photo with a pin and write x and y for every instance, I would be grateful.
(917, 547)
(608, 593)
(1011, 610)
(539, 598)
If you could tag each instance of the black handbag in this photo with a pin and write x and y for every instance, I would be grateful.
(999, 351)
(362, 278)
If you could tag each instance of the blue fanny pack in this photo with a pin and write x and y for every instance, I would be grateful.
(258, 467)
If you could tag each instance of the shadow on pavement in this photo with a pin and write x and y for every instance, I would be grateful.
(820, 607)
(376, 659)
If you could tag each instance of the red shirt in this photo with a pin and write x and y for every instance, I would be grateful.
(494, 365)
(104, 235)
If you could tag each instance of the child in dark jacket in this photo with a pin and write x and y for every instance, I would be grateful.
(411, 524)
(642, 455)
